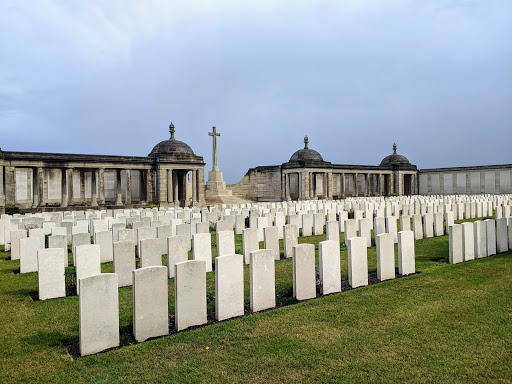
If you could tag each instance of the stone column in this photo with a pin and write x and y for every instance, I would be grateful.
(200, 185)
(94, 196)
(342, 185)
(185, 195)
(287, 184)
(176, 187)
(63, 188)
(194, 187)
(326, 187)
(69, 175)
(119, 200)
(299, 186)
(356, 191)
(10, 186)
(331, 183)
(307, 186)
(311, 185)
(142, 183)
(128, 186)
(2, 191)
(170, 186)
(367, 185)
(101, 177)
(36, 187)
(82, 185)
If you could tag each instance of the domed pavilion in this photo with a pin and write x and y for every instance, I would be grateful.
(174, 162)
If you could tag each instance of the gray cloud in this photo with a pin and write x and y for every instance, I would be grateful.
(355, 76)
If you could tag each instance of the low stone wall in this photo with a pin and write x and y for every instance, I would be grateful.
(259, 184)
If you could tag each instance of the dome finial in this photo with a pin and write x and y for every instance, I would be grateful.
(172, 130)
(394, 149)
(306, 141)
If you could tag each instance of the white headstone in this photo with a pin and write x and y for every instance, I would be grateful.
(262, 280)
(480, 231)
(491, 236)
(189, 294)
(385, 256)
(59, 241)
(229, 286)
(202, 249)
(329, 266)
(104, 240)
(99, 313)
(455, 244)
(150, 306)
(304, 279)
(307, 224)
(406, 253)
(150, 252)
(124, 262)
(291, 234)
(28, 253)
(501, 235)
(87, 262)
(225, 243)
(271, 241)
(250, 243)
(357, 262)
(468, 241)
(51, 273)
(15, 237)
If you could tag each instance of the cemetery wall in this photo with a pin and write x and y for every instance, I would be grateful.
(492, 179)
(259, 184)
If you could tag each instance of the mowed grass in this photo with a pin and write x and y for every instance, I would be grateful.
(447, 323)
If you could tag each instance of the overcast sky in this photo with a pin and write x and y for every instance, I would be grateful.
(355, 76)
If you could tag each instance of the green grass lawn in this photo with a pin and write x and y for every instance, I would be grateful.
(447, 323)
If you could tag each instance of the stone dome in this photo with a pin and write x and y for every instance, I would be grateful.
(171, 146)
(395, 159)
(306, 154)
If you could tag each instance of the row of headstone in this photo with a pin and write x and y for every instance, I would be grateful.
(99, 299)
(478, 239)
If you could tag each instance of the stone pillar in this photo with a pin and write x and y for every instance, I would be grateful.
(306, 186)
(119, 200)
(63, 188)
(356, 192)
(37, 186)
(142, 189)
(69, 174)
(331, 183)
(101, 177)
(184, 183)
(312, 185)
(194, 187)
(287, 184)
(200, 185)
(10, 186)
(94, 196)
(82, 185)
(391, 183)
(170, 186)
(342, 185)
(176, 187)
(2, 192)
(128, 186)
(367, 184)
(299, 186)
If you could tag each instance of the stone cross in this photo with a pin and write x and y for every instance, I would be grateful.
(214, 134)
